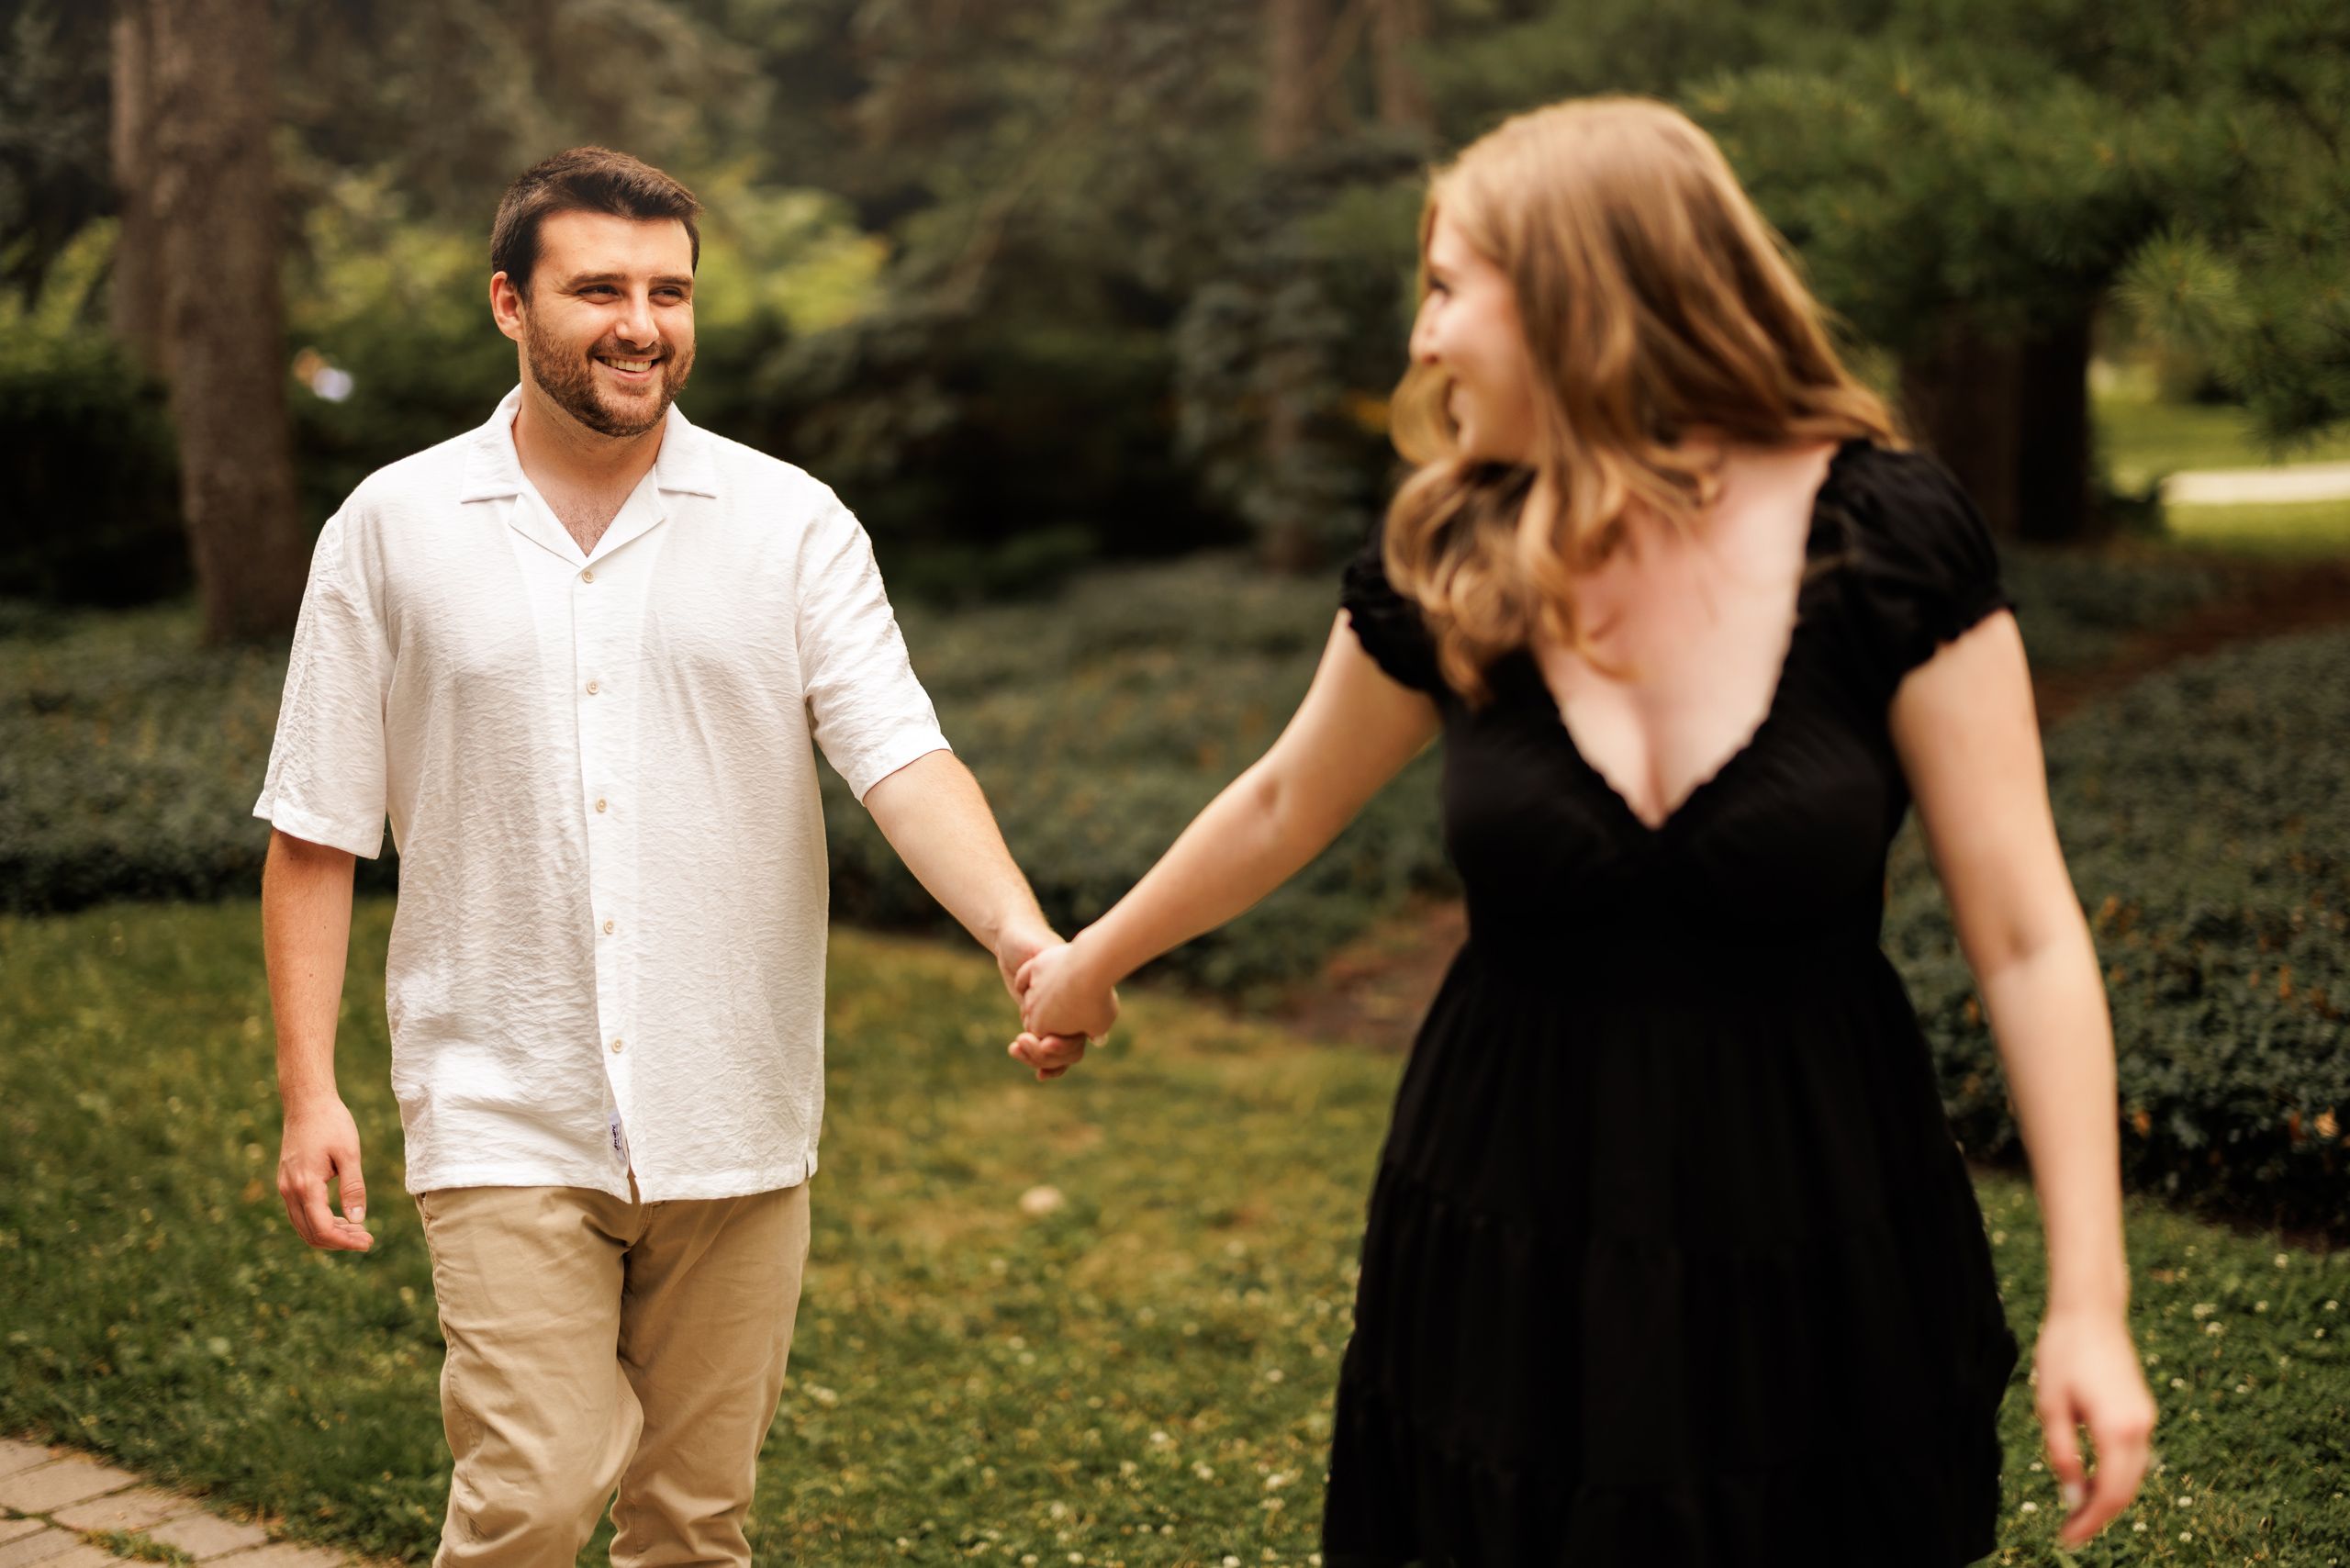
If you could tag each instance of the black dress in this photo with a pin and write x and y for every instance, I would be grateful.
(1672, 1259)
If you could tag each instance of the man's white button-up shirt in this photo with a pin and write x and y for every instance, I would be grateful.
(609, 947)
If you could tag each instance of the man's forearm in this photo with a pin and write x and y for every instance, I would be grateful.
(935, 815)
(306, 936)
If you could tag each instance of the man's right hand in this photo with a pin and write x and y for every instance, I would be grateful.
(321, 1146)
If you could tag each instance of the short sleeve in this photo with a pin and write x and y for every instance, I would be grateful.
(864, 706)
(1920, 569)
(328, 763)
(1387, 625)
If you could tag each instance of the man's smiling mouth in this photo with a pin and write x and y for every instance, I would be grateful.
(634, 365)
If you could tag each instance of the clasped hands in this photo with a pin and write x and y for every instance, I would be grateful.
(1063, 1005)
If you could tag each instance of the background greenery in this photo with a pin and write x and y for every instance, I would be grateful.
(2206, 819)
(1140, 1375)
(1029, 281)
(1099, 719)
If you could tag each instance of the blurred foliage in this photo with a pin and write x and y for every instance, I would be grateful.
(93, 510)
(1080, 311)
(2205, 815)
(55, 179)
(1131, 1374)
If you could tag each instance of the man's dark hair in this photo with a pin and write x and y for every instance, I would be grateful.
(584, 179)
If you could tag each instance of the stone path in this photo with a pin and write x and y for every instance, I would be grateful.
(58, 1508)
(2244, 487)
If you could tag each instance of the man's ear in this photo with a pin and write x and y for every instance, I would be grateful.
(505, 304)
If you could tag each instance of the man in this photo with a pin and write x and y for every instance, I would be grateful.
(578, 656)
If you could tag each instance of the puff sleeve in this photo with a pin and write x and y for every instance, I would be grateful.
(1922, 570)
(1387, 625)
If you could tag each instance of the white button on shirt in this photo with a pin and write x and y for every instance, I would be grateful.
(598, 772)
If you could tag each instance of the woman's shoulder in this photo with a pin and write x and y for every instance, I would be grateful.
(1388, 624)
(1919, 566)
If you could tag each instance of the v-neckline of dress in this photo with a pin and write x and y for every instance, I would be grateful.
(1657, 830)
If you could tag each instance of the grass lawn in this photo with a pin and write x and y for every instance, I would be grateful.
(2141, 438)
(1141, 1375)
(2295, 529)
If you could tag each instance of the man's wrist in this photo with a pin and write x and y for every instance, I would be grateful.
(304, 1097)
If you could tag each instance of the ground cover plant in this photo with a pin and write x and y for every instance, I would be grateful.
(1100, 720)
(2204, 814)
(1096, 1322)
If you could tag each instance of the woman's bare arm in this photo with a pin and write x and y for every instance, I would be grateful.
(1354, 731)
(1969, 743)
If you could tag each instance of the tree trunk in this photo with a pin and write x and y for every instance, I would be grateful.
(1397, 28)
(1297, 34)
(2052, 439)
(2011, 420)
(137, 285)
(216, 206)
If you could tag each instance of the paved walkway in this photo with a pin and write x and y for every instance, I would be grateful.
(2258, 487)
(57, 1508)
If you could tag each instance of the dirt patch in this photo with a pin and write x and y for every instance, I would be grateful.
(2267, 600)
(1375, 990)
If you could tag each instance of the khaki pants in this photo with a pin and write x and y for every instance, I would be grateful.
(596, 1343)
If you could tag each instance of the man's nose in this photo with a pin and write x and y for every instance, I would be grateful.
(635, 325)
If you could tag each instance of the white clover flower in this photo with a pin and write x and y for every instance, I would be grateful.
(2032, 1508)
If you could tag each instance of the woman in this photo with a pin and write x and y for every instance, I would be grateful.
(1671, 1259)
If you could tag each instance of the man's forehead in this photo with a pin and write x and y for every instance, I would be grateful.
(600, 241)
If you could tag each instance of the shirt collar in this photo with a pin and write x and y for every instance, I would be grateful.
(493, 472)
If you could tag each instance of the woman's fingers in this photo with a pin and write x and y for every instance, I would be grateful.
(2122, 1430)
(1051, 1054)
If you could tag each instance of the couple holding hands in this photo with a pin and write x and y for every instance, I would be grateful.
(1669, 1226)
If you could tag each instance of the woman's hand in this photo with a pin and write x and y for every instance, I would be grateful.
(1051, 1054)
(2087, 1375)
(1060, 994)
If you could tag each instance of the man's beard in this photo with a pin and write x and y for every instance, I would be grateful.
(570, 379)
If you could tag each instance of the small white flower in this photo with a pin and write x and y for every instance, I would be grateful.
(1204, 1472)
(2186, 1535)
(1274, 1375)
(2179, 1382)
(1231, 1563)
(2259, 1306)
(1158, 1438)
(2032, 1508)
(2140, 1527)
(2283, 1260)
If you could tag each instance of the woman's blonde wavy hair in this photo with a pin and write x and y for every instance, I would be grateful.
(1656, 302)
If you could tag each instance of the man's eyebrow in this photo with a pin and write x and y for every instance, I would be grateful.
(667, 280)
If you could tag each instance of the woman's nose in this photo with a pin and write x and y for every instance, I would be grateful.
(1423, 344)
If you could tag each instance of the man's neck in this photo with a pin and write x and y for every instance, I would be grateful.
(585, 476)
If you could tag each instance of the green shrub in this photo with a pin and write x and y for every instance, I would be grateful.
(1100, 719)
(1102, 723)
(2206, 817)
(91, 516)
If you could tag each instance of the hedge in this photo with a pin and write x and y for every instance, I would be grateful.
(2204, 814)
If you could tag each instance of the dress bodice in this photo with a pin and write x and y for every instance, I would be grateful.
(1784, 846)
